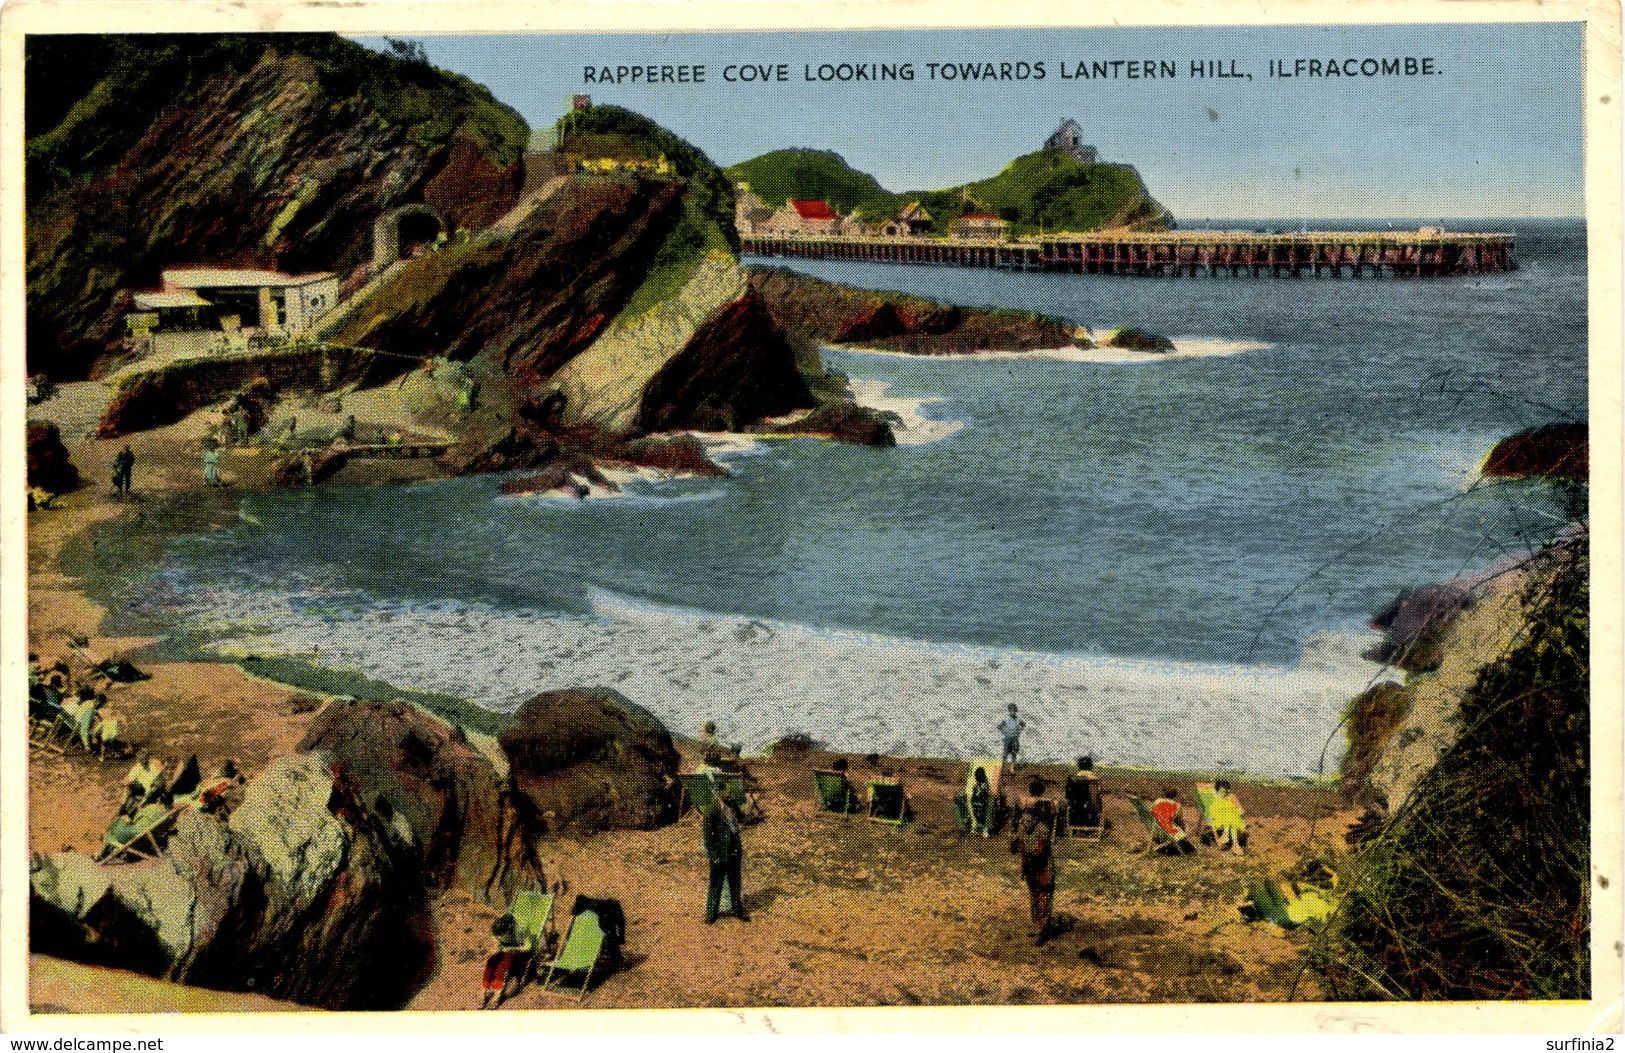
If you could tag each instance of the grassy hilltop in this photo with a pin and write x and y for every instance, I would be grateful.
(1045, 190)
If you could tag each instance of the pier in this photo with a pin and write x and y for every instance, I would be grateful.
(1169, 254)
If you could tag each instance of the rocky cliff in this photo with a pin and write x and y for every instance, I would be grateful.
(275, 151)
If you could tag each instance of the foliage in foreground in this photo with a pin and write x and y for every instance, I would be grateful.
(1478, 887)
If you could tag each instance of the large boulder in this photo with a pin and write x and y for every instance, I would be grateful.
(301, 885)
(423, 777)
(590, 759)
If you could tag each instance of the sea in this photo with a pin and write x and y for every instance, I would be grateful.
(1164, 561)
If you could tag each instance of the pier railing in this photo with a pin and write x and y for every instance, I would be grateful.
(1184, 253)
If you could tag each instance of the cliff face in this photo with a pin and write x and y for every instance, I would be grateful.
(276, 151)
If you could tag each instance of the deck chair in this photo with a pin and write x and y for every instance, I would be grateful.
(143, 841)
(1267, 901)
(887, 802)
(1161, 841)
(51, 731)
(835, 793)
(984, 824)
(582, 947)
(700, 787)
(532, 911)
(1085, 816)
(1208, 798)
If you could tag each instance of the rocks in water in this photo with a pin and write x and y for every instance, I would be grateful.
(590, 759)
(678, 454)
(1134, 340)
(422, 777)
(506, 449)
(846, 422)
(1412, 623)
(874, 323)
(48, 465)
(1558, 451)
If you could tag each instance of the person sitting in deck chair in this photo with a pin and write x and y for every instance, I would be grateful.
(1227, 818)
(145, 780)
(1165, 810)
(1083, 809)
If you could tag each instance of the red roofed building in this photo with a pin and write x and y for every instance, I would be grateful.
(979, 226)
(800, 216)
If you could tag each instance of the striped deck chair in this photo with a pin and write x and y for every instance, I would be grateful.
(887, 802)
(141, 841)
(1161, 841)
(835, 793)
(582, 948)
(50, 730)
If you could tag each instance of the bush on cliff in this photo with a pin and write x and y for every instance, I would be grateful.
(1478, 887)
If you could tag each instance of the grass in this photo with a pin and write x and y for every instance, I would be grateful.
(1478, 886)
(308, 676)
(802, 173)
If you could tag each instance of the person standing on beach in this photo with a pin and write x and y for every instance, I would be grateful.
(724, 850)
(1032, 844)
(123, 470)
(211, 466)
(1010, 728)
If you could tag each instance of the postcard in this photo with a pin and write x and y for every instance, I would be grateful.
(520, 514)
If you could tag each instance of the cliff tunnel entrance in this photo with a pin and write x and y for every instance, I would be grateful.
(404, 232)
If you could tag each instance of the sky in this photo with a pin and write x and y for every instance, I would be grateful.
(1495, 130)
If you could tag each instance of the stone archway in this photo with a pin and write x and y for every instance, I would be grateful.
(409, 225)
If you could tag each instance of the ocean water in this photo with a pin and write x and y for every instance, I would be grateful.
(1165, 560)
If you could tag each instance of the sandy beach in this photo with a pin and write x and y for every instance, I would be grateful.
(844, 911)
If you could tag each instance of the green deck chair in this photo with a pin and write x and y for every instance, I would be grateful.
(835, 794)
(146, 833)
(698, 788)
(1267, 902)
(887, 803)
(582, 948)
(1160, 839)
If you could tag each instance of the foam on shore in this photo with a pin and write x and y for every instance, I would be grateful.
(1185, 347)
(909, 426)
(858, 692)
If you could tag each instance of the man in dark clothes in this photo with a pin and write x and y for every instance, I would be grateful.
(723, 849)
(123, 469)
(1032, 844)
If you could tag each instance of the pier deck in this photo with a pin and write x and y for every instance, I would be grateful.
(1333, 254)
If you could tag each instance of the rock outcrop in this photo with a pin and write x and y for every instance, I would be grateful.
(590, 759)
(423, 777)
(328, 862)
(48, 465)
(834, 313)
(737, 368)
(1558, 451)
